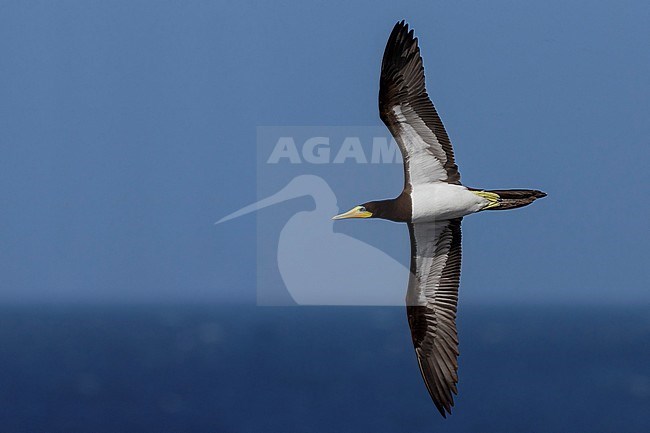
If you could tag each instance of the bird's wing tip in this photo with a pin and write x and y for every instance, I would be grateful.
(401, 25)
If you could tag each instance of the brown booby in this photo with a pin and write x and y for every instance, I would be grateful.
(432, 204)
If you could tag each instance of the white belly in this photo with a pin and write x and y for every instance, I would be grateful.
(443, 201)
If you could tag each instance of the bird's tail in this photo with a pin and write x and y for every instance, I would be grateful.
(503, 199)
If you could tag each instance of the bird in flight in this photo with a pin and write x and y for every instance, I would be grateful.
(432, 204)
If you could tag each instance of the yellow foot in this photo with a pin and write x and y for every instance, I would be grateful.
(491, 197)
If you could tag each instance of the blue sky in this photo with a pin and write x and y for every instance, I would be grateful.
(128, 128)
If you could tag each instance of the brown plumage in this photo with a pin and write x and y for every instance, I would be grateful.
(432, 203)
(514, 198)
(432, 325)
(402, 83)
(433, 329)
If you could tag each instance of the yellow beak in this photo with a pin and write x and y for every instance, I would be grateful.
(356, 212)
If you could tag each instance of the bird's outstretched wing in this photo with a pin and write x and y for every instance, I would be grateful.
(409, 114)
(431, 306)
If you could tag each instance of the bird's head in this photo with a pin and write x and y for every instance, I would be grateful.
(366, 210)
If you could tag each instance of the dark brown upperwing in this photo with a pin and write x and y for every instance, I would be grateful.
(402, 85)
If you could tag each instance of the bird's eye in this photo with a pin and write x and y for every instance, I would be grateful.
(362, 209)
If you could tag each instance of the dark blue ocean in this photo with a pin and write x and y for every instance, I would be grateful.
(265, 369)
